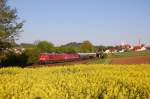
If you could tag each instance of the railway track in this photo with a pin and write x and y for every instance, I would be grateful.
(63, 63)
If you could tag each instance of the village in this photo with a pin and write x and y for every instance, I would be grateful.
(125, 47)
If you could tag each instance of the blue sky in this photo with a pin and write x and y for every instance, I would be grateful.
(103, 22)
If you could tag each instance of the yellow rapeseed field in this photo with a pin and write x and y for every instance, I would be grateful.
(76, 82)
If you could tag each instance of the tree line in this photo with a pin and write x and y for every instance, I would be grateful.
(31, 53)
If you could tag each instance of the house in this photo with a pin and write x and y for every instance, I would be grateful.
(112, 50)
(107, 51)
(140, 47)
(147, 47)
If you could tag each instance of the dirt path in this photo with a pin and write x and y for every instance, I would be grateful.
(132, 60)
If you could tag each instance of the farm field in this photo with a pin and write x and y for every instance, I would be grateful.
(142, 57)
(131, 60)
(76, 82)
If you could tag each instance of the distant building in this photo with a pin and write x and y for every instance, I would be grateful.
(147, 47)
(112, 50)
(126, 47)
(107, 51)
(140, 47)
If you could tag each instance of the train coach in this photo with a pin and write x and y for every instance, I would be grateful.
(46, 58)
(87, 55)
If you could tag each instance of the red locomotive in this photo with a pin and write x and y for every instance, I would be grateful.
(46, 58)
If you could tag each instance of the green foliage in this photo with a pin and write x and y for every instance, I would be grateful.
(4, 45)
(68, 49)
(9, 25)
(86, 46)
(29, 57)
(45, 46)
(103, 55)
(27, 45)
(13, 59)
(99, 61)
(57, 50)
(74, 44)
(33, 55)
(101, 47)
(72, 47)
(76, 82)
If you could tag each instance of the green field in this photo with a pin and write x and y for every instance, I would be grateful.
(131, 53)
(100, 61)
(76, 82)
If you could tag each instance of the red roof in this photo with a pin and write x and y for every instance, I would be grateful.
(137, 47)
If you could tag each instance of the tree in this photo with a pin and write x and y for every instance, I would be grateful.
(27, 45)
(75, 44)
(86, 46)
(9, 25)
(67, 49)
(72, 47)
(33, 54)
(4, 45)
(101, 47)
(45, 46)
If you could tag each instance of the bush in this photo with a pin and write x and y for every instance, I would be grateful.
(33, 54)
(13, 59)
(103, 55)
(29, 57)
